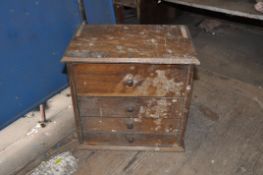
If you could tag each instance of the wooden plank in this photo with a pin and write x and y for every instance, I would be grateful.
(242, 8)
(187, 102)
(163, 44)
(130, 79)
(173, 148)
(75, 102)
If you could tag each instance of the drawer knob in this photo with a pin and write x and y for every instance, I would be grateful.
(130, 139)
(129, 82)
(129, 125)
(130, 109)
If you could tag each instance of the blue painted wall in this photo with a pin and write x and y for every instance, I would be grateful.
(33, 37)
(99, 11)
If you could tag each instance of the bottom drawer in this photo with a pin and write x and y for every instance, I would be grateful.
(132, 133)
(119, 141)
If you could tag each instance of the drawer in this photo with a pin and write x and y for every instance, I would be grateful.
(120, 141)
(136, 107)
(132, 125)
(130, 79)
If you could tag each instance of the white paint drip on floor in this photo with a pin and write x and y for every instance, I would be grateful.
(62, 164)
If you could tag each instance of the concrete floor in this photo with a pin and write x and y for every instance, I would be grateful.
(224, 132)
(24, 141)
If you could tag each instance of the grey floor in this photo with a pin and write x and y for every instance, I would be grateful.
(225, 127)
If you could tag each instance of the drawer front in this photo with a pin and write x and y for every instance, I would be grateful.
(132, 125)
(127, 107)
(140, 141)
(130, 79)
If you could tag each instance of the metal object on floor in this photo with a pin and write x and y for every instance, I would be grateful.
(42, 109)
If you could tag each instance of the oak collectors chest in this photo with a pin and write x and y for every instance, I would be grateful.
(131, 85)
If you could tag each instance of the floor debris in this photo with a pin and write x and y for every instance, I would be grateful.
(61, 164)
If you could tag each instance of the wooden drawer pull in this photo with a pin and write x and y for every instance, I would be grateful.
(130, 109)
(130, 139)
(129, 82)
(129, 123)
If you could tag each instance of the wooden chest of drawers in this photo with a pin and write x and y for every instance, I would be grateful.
(131, 85)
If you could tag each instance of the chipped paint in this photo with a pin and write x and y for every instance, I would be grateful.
(174, 100)
(158, 123)
(156, 83)
(155, 108)
(188, 88)
(132, 67)
(138, 120)
(160, 83)
(119, 47)
(169, 51)
(184, 32)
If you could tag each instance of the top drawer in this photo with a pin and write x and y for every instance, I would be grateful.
(130, 79)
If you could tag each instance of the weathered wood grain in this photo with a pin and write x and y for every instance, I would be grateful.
(130, 79)
(126, 125)
(126, 141)
(161, 44)
(131, 107)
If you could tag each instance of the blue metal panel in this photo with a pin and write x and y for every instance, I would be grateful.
(33, 37)
(99, 11)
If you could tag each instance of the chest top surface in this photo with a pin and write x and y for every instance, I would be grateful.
(156, 44)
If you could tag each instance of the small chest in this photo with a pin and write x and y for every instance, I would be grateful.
(130, 95)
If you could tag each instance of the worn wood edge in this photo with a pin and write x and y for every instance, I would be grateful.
(80, 29)
(121, 117)
(217, 9)
(119, 95)
(187, 101)
(174, 148)
(160, 133)
(177, 60)
(75, 103)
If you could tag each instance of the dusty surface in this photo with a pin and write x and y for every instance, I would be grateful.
(132, 43)
(158, 82)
